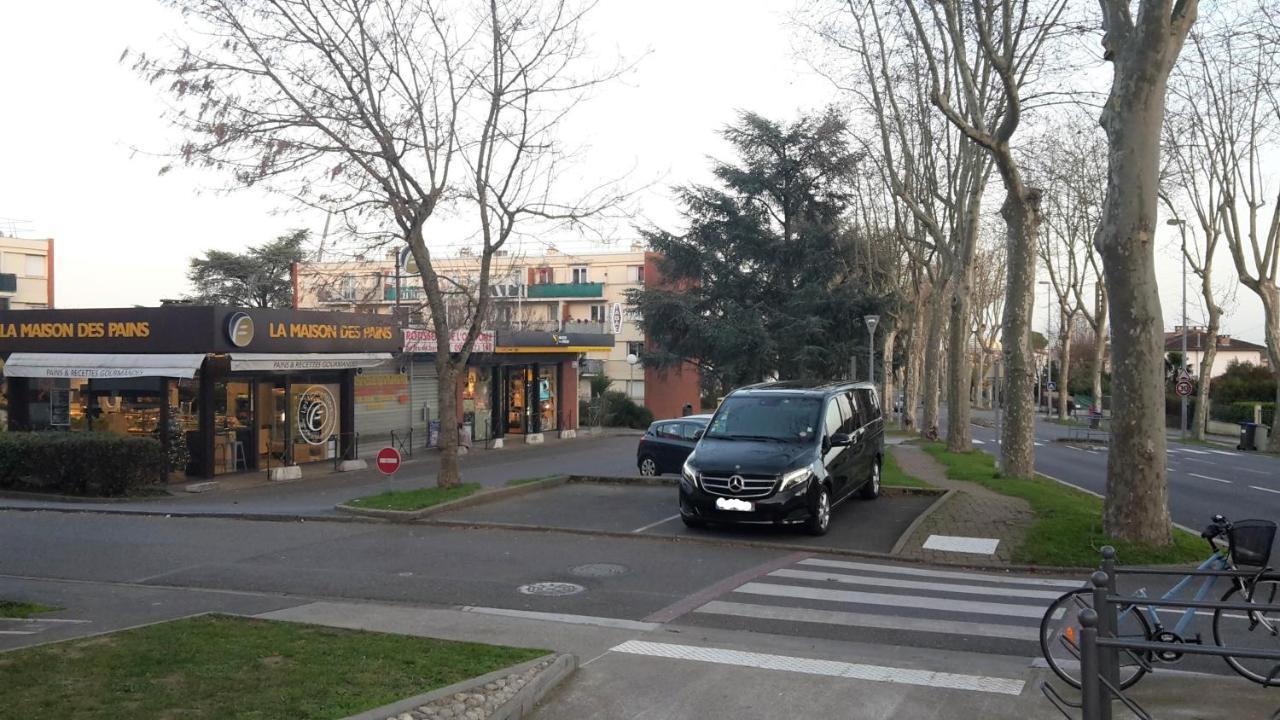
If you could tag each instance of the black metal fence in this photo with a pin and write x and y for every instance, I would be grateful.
(1099, 650)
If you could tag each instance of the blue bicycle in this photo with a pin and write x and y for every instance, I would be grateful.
(1249, 548)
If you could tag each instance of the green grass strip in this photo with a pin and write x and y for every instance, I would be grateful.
(892, 474)
(1068, 525)
(414, 499)
(17, 609)
(238, 668)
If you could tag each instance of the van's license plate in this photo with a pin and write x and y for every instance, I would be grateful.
(734, 504)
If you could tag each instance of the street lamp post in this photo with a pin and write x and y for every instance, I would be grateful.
(871, 321)
(1045, 396)
(1182, 363)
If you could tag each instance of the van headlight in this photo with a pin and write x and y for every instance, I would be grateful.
(793, 478)
(690, 473)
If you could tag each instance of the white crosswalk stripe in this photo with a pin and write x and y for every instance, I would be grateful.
(826, 595)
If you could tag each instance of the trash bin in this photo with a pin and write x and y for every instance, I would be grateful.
(1248, 434)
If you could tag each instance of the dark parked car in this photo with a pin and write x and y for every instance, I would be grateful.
(667, 443)
(785, 453)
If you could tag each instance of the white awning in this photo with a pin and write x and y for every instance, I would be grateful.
(100, 366)
(241, 362)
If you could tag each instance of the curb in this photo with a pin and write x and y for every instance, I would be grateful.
(518, 706)
(915, 524)
(477, 498)
(260, 517)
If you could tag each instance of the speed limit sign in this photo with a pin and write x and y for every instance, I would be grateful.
(1184, 387)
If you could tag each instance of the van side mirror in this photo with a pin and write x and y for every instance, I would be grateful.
(839, 440)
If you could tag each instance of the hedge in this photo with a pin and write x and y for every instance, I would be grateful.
(79, 463)
(1241, 412)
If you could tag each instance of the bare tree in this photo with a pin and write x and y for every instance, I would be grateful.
(964, 44)
(1226, 127)
(1071, 157)
(988, 307)
(1142, 50)
(395, 114)
(937, 178)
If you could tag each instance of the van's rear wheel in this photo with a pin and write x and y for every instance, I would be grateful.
(870, 490)
(820, 516)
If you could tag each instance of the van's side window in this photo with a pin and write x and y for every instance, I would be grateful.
(850, 412)
(867, 405)
(831, 425)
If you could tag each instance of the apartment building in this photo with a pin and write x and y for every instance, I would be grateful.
(554, 292)
(26, 273)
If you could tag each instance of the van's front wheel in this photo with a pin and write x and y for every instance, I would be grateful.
(820, 513)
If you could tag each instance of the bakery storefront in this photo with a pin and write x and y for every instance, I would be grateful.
(237, 389)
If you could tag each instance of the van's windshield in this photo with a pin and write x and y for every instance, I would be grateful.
(780, 418)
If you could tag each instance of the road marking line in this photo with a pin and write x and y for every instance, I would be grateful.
(914, 585)
(1206, 477)
(905, 601)
(1195, 452)
(18, 632)
(959, 544)
(1039, 444)
(715, 590)
(946, 574)
(656, 524)
(1222, 452)
(1256, 472)
(1267, 490)
(830, 668)
(869, 620)
(976, 441)
(617, 623)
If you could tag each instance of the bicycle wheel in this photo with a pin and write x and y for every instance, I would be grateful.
(1061, 620)
(1254, 630)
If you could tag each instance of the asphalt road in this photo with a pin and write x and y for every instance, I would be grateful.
(1203, 481)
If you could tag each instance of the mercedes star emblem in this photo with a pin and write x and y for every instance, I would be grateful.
(735, 483)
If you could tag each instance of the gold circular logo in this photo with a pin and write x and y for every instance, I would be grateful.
(240, 329)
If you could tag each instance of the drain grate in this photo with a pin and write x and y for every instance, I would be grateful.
(550, 589)
(599, 570)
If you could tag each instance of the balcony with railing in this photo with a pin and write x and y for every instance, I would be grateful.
(556, 291)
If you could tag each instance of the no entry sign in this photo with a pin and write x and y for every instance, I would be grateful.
(388, 461)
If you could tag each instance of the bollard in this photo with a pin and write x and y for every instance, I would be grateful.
(1107, 658)
(1090, 695)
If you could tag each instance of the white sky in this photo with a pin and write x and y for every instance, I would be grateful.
(71, 115)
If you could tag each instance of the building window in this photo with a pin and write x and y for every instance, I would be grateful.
(597, 313)
(544, 276)
(635, 274)
(34, 266)
(580, 275)
(4, 303)
(634, 348)
(347, 287)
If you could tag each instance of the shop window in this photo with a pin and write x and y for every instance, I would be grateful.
(476, 406)
(547, 397)
(580, 275)
(635, 274)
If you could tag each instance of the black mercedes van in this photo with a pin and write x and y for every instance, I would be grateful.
(785, 453)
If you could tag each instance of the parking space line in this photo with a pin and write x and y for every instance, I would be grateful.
(830, 668)
(1266, 490)
(1206, 477)
(656, 524)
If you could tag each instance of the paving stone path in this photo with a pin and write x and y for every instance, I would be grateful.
(974, 511)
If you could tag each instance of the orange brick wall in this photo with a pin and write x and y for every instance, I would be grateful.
(668, 390)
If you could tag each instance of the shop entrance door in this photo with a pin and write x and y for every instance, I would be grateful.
(272, 417)
(517, 406)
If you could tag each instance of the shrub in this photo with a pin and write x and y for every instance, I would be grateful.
(1244, 382)
(79, 463)
(1241, 412)
(622, 411)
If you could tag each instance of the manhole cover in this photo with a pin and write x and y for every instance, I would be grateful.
(552, 589)
(599, 570)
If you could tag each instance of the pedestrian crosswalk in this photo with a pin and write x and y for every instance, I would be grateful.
(923, 606)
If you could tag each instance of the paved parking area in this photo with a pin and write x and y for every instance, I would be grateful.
(652, 511)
